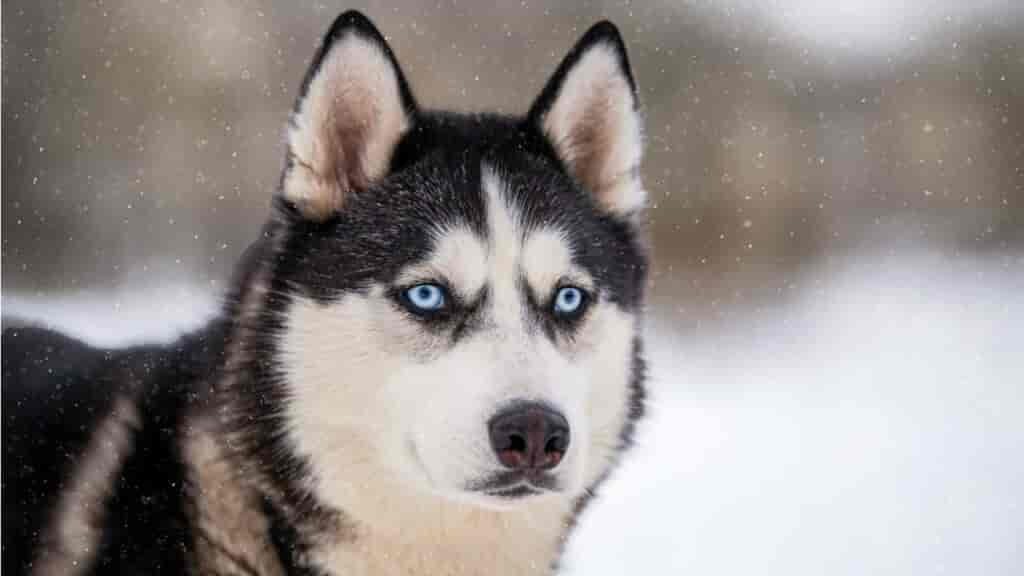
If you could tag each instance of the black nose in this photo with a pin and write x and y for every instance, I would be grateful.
(529, 436)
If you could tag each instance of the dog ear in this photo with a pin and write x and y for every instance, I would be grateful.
(353, 108)
(589, 112)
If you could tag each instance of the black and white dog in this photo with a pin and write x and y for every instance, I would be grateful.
(427, 363)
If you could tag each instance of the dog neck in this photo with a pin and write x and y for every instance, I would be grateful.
(385, 528)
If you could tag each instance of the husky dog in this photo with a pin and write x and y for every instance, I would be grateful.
(427, 364)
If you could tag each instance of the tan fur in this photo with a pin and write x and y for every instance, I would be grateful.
(231, 532)
(424, 535)
(70, 542)
(596, 130)
(345, 128)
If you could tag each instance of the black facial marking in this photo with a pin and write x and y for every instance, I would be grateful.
(435, 185)
(472, 319)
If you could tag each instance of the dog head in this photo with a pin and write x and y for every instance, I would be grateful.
(453, 300)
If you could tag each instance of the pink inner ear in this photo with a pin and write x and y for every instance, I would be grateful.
(595, 128)
(346, 134)
(345, 128)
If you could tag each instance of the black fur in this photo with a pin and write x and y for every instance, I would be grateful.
(285, 538)
(436, 183)
(55, 390)
(45, 428)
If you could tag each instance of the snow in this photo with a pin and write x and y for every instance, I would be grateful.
(874, 425)
(151, 313)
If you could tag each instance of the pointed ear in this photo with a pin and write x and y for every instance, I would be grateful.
(589, 112)
(353, 108)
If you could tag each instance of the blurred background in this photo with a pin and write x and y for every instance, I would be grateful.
(837, 214)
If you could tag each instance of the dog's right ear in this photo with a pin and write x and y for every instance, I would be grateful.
(354, 107)
(589, 112)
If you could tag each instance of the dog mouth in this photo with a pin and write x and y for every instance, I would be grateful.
(515, 485)
(516, 492)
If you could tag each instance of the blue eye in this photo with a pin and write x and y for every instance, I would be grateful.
(568, 301)
(425, 298)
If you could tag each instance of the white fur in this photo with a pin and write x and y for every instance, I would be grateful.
(596, 130)
(346, 126)
(548, 260)
(459, 257)
(393, 418)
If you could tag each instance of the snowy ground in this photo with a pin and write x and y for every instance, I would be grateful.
(874, 424)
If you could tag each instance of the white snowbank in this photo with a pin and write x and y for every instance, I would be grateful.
(148, 314)
(874, 425)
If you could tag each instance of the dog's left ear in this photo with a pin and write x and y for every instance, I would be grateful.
(354, 107)
(589, 112)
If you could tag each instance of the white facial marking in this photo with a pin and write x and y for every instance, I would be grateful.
(459, 257)
(504, 236)
(547, 260)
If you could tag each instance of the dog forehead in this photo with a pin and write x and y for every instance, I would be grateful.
(502, 253)
(535, 249)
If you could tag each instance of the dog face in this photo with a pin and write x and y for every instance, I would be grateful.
(454, 298)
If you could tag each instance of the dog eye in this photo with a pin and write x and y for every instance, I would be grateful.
(425, 298)
(569, 301)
